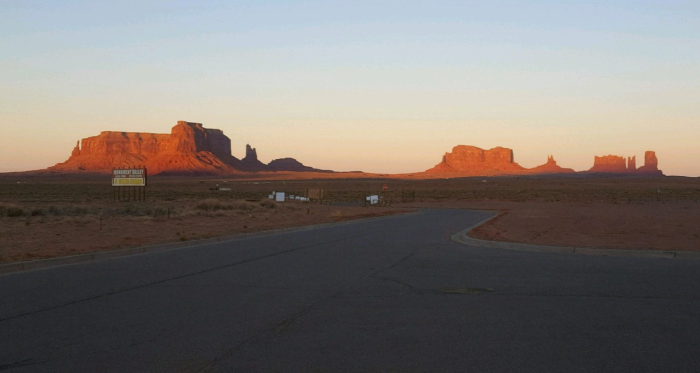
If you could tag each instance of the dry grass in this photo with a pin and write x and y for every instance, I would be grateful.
(10, 210)
(65, 214)
(339, 213)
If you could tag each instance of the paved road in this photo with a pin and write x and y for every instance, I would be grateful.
(389, 295)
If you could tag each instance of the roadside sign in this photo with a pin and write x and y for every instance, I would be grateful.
(128, 183)
(131, 177)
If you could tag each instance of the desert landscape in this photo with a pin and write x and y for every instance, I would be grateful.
(49, 215)
(199, 190)
(349, 186)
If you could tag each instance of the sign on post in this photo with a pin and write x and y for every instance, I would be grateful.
(129, 183)
(129, 177)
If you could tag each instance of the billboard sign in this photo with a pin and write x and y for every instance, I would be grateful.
(129, 177)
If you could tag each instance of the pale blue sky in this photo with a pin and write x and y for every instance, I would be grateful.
(358, 85)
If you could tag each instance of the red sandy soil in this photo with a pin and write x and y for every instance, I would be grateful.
(60, 214)
(40, 237)
(655, 226)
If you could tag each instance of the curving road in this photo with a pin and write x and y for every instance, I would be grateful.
(387, 295)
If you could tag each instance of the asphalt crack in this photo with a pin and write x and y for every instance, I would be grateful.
(142, 286)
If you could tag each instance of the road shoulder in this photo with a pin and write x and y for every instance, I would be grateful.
(463, 238)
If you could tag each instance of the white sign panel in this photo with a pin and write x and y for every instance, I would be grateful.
(129, 177)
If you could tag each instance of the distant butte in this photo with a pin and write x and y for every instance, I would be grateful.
(616, 164)
(609, 163)
(192, 149)
(470, 160)
(188, 149)
(550, 167)
(465, 160)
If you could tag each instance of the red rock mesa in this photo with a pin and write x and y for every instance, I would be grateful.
(609, 163)
(470, 160)
(616, 164)
(188, 149)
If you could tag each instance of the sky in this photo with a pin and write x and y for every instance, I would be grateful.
(377, 86)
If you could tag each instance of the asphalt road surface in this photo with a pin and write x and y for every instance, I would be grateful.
(386, 295)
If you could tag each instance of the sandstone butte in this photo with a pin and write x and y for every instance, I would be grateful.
(192, 149)
(473, 161)
(470, 160)
(617, 164)
(188, 149)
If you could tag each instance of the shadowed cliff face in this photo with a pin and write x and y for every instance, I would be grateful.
(616, 164)
(651, 164)
(291, 164)
(218, 143)
(550, 167)
(250, 162)
(609, 163)
(188, 138)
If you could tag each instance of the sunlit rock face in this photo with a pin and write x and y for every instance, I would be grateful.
(468, 160)
(189, 148)
(472, 160)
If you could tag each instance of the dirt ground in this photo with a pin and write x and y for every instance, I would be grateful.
(48, 216)
(654, 226)
(63, 230)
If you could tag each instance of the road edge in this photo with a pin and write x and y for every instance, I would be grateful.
(463, 238)
(119, 253)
